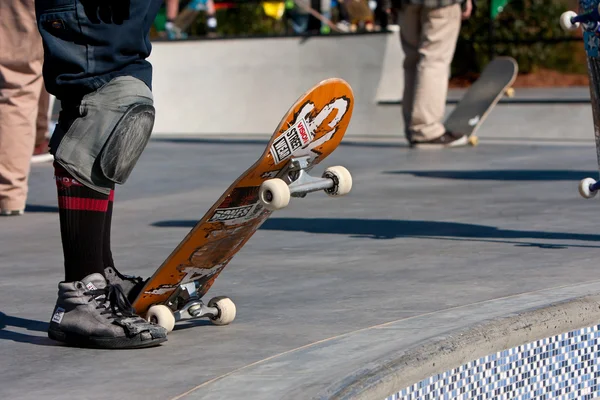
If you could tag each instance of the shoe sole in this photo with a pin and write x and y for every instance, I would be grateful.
(15, 213)
(463, 141)
(41, 158)
(77, 340)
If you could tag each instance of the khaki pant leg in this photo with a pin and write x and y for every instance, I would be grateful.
(409, 19)
(440, 29)
(21, 57)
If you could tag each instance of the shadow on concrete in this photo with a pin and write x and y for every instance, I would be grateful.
(348, 141)
(34, 208)
(30, 325)
(392, 229)
(503, 175)
(192, 323)
(207, 140)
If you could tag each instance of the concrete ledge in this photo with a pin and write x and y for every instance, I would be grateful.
(384, 379)
(546, 95)
(377, 361)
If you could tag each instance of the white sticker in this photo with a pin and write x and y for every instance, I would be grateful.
(58, 315)
(291, 140)
(90, 286)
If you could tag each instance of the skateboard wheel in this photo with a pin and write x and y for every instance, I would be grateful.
(226, 309)
(161, 315)
(510, 92)
(473, 140)
(584, 188)
(274, 194)
(565, 21)
(341, 178)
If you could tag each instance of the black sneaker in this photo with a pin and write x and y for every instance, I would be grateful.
(131, 285)
(90, 313)
(448, 139)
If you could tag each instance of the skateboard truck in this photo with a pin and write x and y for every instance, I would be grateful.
(220, 310)
(274, 194)
(590, 21)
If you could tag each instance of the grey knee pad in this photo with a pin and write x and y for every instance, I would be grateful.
(100, 139)
(126, 143)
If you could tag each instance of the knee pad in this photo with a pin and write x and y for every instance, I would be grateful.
(126, 143)
(99, 146)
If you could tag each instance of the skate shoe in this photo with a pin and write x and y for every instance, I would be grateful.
(131, 285)
(448, 139)
(90, 313)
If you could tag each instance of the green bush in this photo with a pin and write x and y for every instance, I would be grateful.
(246, 19)
(521, 20)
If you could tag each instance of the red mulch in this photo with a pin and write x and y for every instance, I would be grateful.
(540, 78)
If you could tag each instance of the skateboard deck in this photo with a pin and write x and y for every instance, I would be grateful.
(589, 21)
(482, 96)
(311, 130)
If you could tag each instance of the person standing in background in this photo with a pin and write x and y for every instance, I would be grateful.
(429, 32)
(21, 59)
(173, 32)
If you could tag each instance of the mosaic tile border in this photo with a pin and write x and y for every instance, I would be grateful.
(565, 366)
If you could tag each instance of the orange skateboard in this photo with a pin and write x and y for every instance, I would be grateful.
(311, 130)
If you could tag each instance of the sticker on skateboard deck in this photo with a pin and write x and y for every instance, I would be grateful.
(589, 22)
(311, 130)
(482, 96)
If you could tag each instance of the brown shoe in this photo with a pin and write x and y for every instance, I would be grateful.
(448, 139)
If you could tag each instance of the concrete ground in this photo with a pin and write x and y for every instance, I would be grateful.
(425, 243)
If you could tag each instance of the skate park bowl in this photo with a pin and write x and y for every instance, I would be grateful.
(541, 343)
(524, 348)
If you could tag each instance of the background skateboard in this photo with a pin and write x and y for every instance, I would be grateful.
(482, 96)
(312, 129)
(589, 21)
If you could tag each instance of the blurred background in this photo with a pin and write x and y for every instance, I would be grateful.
(527, 30)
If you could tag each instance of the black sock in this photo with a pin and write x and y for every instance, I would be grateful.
(106, 252)
(82, 213)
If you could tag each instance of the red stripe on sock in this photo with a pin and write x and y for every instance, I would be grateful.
(111, 196)
(80, 203)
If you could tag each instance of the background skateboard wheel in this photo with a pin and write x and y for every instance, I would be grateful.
(584, 188)
(510, 92)
(226, 309)
(341, 178)
(274, 194)
(565, 21)
(473, 140)
(161, 315)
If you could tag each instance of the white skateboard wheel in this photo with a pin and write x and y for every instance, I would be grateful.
(226, 309)
(341, 178)
(274, 194)
(584, 188)
(161, 315)
(565, 21)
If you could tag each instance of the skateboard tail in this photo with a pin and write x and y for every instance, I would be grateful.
(481, 97)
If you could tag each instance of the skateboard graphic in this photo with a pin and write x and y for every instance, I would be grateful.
(481, 97)
(589, 21)
(311, 130)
